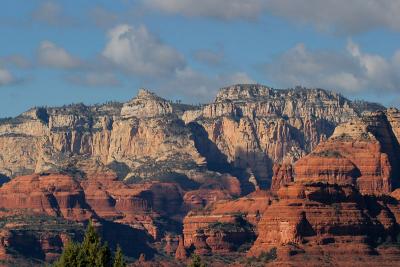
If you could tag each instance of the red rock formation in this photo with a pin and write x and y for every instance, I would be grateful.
(198, 199)
(283, 175)
(353, 155)
(200, 243)
(328, 166)
(321, 218)
(4, 244)
(328, 209)
(171, 244)
(52, 194)
(224, 225)
(180, 253)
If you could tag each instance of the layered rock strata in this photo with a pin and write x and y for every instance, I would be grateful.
(248, 127)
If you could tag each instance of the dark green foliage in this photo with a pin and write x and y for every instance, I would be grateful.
(239, 225)
(69, 256)
(328, 154)
(268, 256)
(91, 252)
(196, 261)
(119, 258)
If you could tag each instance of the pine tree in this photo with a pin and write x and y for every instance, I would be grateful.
(119, 258)
(69, 257)
(91, 252)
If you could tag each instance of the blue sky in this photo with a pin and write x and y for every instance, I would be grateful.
(58, 52)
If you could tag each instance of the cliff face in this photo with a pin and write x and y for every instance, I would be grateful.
(254, 126)
(245, 131)
(225, 225)
(335, 202)
(176, 177)
(363, 152)
(142, 140)
(318, 222)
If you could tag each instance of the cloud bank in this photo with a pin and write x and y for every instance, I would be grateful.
(344, 16)
(351, 71)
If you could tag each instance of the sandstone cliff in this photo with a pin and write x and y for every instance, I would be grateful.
(245, 131)
(254, 126)
(363, 152)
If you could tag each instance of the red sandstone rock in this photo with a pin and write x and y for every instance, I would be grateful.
(229, 235)
(353, 155)
(283, 174)
(53, 194)
(198, 199)
(180, 253)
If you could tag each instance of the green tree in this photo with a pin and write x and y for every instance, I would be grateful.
(69, 257)
(119, 258)
(91, 252)
(197, 262)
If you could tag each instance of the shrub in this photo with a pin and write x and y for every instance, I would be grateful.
(91, 252)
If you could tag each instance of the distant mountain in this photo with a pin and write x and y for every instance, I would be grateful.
(243, 132)
(259, 175)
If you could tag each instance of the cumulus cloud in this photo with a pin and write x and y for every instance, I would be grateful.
(220, 9)
(347, 16)
(94, 79)
(51, 13)
(351, 71)
(51, 55)
(6, 77)
(137, 51)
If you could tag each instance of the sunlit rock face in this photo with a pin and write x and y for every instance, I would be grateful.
(145, 105)
(363, 152)
(254, 126)
(244, 131)
(338, 200)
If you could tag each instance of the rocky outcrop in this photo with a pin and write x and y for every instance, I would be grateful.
(255, 126)
(56, 139)
(144, 166)
(55, 195)
(283, 175)
(224, 225)
(99, 196)
(37, 237)
(363, 152)
(334, 204)
(245, 131)
(354, 155)
(146, 104)
(319, 218)
(180, 253)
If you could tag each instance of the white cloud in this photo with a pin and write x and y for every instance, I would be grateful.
(51, 55)
(347, 16)
(6, 77)
(351, 71)
(95, 79)
(137, 51)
